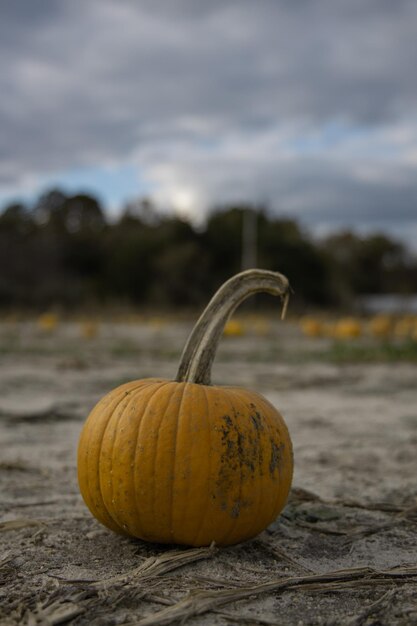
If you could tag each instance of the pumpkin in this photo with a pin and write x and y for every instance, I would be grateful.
(404, 327)
(47, 322)
(380, 326)
(233, 328)
(89, 329)
(311, 327)
(183, 461)
(347, 328)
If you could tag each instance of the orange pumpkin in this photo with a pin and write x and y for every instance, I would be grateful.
(233, 328)
(48, 322)
(347, 328)
(183, 461)
(381, 326)
(311, 327)
(89, 329)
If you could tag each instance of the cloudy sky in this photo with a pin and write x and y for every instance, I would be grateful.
(309, 106)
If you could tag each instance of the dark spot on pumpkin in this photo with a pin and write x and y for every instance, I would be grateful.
(230, 444)
(277, 456)
(241, 456)
(239, 450)
(240, 442)
(256, 418)
(235, 510)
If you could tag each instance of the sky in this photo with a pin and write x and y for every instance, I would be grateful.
(308, 107)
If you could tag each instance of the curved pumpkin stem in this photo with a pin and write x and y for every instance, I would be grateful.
(200, 349)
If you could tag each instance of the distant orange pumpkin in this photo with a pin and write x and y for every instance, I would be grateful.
(347, 328)
(233, 328)
(311, 327)
(381, 326)
(48, 322)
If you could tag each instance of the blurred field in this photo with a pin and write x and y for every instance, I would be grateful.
(349, 396)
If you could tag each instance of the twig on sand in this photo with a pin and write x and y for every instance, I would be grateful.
(19, 466)
(59, 610)
(299, 494)
(159, 565)
(402, 514)
(35, 503)
(247, 619)
(17, 524)
(151, 568)
(199, 602)
(321, 529)
(376, 607)
(6, 558)
(372, 530)
(280, 553)
(53, 614)
(53, 412)
(357, 533)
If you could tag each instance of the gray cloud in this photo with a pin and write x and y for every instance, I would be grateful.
(214, 101)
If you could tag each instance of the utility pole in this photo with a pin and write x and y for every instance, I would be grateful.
(249, 239)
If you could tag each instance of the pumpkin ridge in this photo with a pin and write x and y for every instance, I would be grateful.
(98, 493)
(164, 413)
(180, 521)
(135, 487)
(173, 467)
(132, 400)
(133, 393)
(203, 517)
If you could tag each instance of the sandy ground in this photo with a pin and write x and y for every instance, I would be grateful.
(344, 551)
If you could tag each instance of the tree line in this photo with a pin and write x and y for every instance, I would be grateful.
(64, 250)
